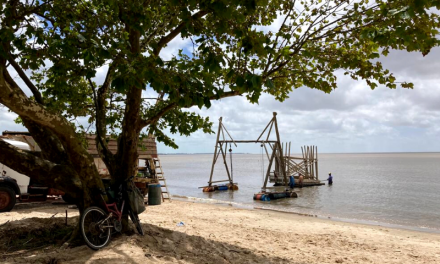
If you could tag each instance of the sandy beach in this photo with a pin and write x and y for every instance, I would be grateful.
(225, 234)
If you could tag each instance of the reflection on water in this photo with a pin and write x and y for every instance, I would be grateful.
(221, 195)
(395, 188)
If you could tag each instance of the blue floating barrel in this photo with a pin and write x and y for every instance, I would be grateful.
(154, 194)
(280, 195)
(265, 198)
(222, 188)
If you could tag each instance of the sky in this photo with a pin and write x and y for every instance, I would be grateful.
(351, 119)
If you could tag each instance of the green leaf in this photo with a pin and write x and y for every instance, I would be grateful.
(240, 81)
(81, 38)
(269, 84)
(207, 102)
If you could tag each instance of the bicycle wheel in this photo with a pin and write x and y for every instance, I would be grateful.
(95, 231)
(135, 219)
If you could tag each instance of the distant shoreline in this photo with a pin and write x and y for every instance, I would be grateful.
(339, 153)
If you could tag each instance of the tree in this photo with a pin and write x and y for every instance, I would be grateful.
(57, 47)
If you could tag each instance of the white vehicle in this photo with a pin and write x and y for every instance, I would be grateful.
(13, 184)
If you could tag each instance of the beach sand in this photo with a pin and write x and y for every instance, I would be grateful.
(225, 234)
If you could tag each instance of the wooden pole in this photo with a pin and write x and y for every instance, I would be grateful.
(267, 153)
(316, 163)
(306, 150)
(283, 150)
(312, 169)
(226, 164)
(269, 166)
(270, 129)
(270, 122)
(310, 162)
(229, 135)
(279, 140)
(214, 159)
(271, 146)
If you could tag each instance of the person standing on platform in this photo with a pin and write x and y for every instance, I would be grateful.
(330, 178)
(300, 180)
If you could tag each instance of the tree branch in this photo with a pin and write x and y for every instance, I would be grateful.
(26, 80)
(143, 123)
(166, 39)
(14, 98)
(53, 175)
(51, 147)
(100, 117)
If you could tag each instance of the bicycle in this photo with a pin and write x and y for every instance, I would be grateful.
(96, 225)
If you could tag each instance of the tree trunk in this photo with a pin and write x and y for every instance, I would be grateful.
(128, 142)
(64, 162)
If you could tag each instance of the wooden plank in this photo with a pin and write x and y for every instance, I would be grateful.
(93, 136)
(113, 141)
(140, 152)
(115, 144)
(247, 141)
(298, 158)
(111, 148)
(149, 152)
(145, 156)
(220, 181)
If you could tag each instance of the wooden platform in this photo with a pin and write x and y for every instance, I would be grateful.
(306, 183)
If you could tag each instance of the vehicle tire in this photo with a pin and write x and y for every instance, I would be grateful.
(95, 236)
(7, 199)
(137, 223)
(68, 199)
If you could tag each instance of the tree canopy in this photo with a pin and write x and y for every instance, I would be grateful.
(240, 48)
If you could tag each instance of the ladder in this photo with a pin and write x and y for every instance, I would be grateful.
(161, 179)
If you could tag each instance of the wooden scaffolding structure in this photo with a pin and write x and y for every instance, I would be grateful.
(275, 158)
(307, 165)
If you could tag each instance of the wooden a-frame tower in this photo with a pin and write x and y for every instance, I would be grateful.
(275, 158)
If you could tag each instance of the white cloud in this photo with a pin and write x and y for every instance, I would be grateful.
(353, 118)
(173, 47)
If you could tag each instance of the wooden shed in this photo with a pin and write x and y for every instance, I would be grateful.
(147, 149)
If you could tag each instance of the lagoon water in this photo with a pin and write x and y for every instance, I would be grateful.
(394, 189)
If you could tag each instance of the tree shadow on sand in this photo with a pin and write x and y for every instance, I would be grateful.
(158, 245)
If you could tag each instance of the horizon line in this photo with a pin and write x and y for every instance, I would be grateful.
(389, 152)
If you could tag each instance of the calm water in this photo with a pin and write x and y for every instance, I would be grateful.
(401, 189)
